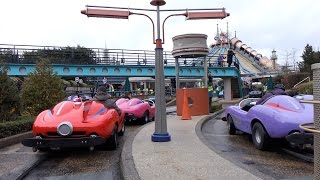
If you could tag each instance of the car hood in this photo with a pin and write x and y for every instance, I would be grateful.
(73, 112)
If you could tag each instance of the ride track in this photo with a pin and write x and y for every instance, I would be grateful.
(54, 160)
(278, 163)
(49, 158)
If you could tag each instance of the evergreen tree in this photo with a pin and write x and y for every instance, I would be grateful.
(309, 57)
(9, 97)
(42, 89)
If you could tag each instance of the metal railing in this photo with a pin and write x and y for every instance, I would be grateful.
(254, 63)
(302, 81)
(29, 54)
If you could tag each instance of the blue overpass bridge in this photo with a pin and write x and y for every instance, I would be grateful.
(19, 60)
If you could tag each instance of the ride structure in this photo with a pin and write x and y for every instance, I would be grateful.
(250, 62)
(19, 60)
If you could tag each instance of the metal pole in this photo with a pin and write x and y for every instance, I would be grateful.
(177, 74)
(160, 134)
(316, 110)
(205, 72)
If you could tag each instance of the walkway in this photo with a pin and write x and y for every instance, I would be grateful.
(184, 157)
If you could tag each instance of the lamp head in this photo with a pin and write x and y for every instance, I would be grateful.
(207, 15)
(105, 13)
(157, 2)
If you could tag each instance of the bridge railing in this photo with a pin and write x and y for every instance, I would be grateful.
(29, 54)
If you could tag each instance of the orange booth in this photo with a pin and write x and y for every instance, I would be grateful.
(198, 101)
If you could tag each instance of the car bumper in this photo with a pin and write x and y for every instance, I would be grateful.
(300, 138)
(130, 117)
(63, 142)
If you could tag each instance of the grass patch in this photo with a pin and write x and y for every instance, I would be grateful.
(21, 125)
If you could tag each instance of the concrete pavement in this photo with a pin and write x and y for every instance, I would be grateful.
(184, 157)
(17, 160)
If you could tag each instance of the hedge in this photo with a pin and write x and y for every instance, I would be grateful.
(216, 107)
(289, 80)
(10, 128)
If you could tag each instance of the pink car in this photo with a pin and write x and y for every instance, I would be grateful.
(137, 109)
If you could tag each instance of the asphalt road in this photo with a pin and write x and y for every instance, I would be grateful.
(240, 150)
(82, 164)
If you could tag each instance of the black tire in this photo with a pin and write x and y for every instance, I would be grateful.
(231, 128)
(113, 141)
(123, 129)
(43, 149)
(145, 118)
(260, 137)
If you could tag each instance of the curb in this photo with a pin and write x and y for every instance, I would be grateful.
(198, 129)
(15, 139)
(127, 166)
(202, 122)
(31, 167)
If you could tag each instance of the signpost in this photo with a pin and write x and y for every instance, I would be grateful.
(77, 80)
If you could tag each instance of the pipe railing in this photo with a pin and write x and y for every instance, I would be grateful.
(302, 81)
(29, 54)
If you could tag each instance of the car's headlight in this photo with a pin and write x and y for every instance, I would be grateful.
(65, 129)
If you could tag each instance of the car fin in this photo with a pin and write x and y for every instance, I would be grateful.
(86, 108)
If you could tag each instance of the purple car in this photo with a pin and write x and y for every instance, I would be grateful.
(276, 118)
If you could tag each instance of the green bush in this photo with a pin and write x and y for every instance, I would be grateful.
(9, 97)
(304, 88)
(41, 90)
(216, 107)
(10, 128)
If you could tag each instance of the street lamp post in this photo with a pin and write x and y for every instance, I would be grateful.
(160, 134)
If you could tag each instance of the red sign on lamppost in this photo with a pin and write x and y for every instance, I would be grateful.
(160, 134)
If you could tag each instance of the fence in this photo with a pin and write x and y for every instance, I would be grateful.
(29, 54)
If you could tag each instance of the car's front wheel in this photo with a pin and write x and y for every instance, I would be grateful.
(123, 129)
(230, 124)
(260, 137)
(145, 118)
(114, 138)
(43, 149)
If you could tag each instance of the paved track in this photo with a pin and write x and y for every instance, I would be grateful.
(240, 150)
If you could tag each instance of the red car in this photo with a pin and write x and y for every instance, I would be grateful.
(76, 124)
(137, 109)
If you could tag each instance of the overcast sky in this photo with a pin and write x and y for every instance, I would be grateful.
(283, 25)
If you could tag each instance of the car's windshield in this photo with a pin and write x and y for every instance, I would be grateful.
(134, 102)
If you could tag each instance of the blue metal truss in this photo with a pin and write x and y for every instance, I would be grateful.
(64, 70)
